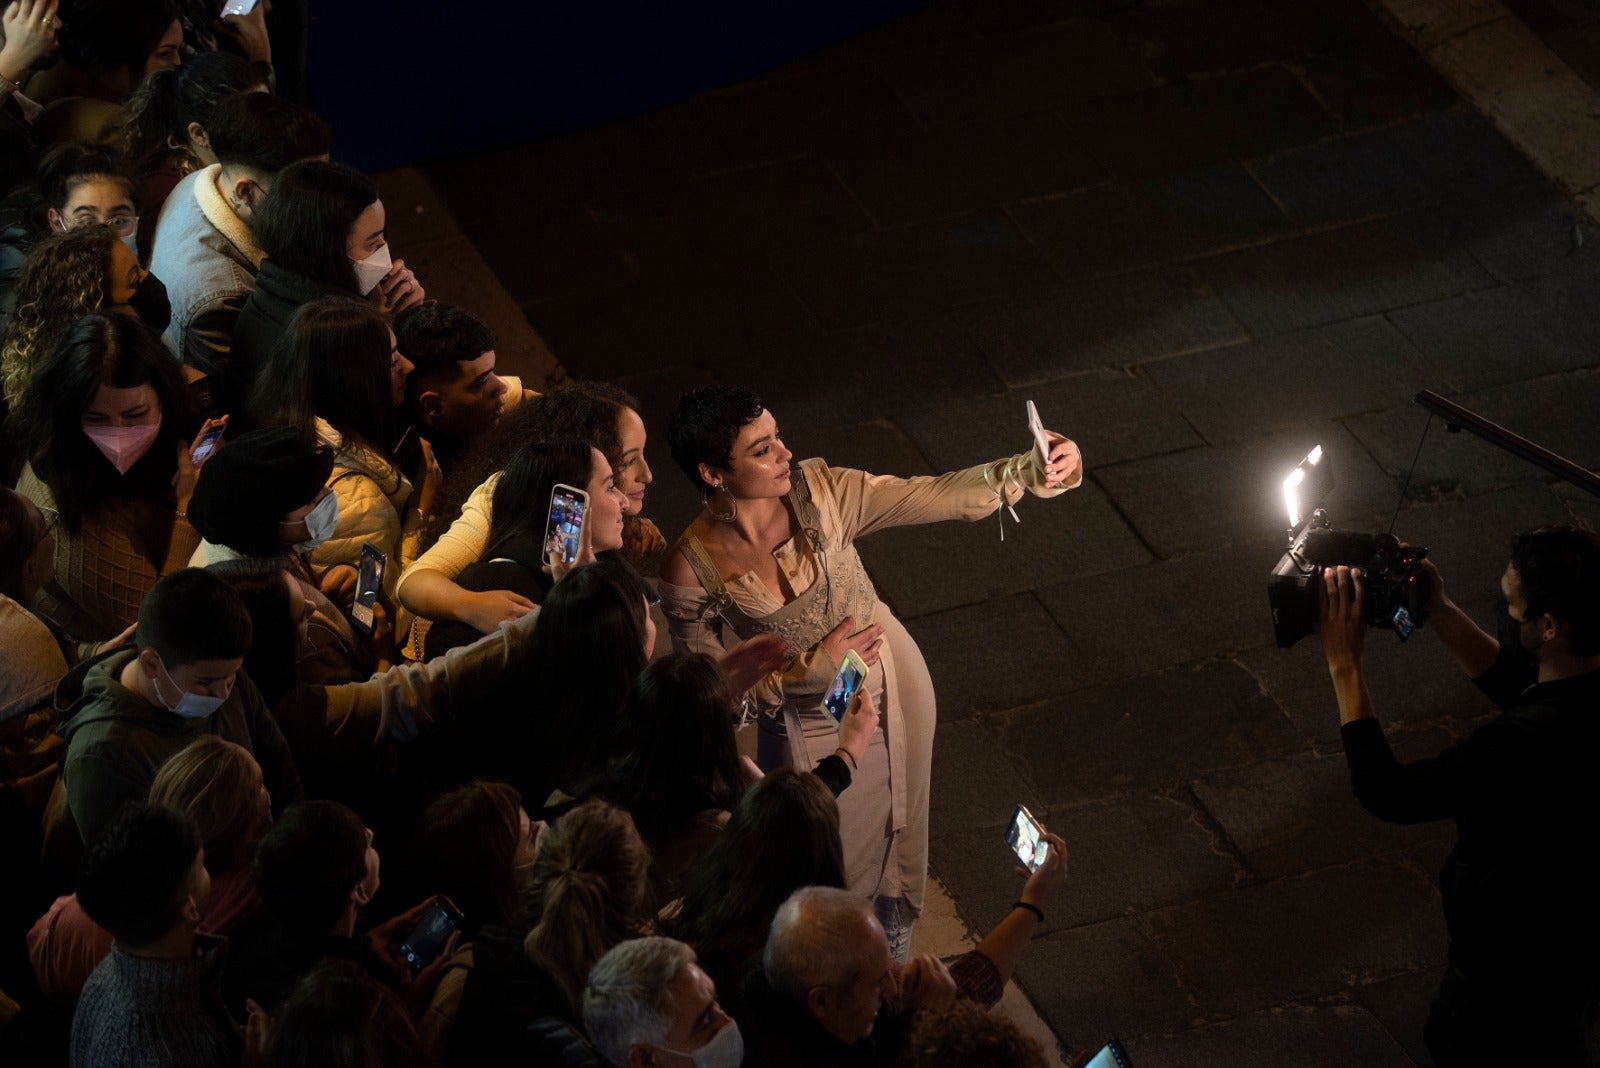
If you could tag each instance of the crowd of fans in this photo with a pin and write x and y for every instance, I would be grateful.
(249, 815)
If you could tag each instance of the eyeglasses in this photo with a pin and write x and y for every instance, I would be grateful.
(124, 225)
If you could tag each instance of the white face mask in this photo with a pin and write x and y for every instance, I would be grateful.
(124, 446)
(373, 269)
(321, 522)
(725, 1050)
(190, 705)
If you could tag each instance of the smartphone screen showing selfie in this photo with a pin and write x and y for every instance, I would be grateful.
(429, 936)
(852, 673)
(563, 531)
(1111, 1055)
(369, 584)
(206, 445)
(1026, 838)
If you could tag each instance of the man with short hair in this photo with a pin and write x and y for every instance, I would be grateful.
(125, 712)
(316, 870)
(204, 249)
(1523, 982)
(155, 999)
(826, 975)
(648, 1005)
(453, 394)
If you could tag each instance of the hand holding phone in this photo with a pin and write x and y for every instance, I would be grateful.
(206, 442)
(425, 941)
(1040, 438)
(1025, 836)
(852, 673)
(563, 530)
(369, 585)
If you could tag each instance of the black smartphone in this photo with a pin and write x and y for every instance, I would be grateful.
(563, 531)
(430, 934)
(1111, 1055)
(369, 584)
(1026, 838)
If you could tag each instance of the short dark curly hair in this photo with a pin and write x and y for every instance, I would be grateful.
(1560, 571)
(435, 338)
(969, 1036)
(136, 872)
(704, 424)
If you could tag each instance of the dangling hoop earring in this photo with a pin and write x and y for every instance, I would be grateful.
(733, 504)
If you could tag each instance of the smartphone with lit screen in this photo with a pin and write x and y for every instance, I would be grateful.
(1026, 838)
(369, 585)
(239, 7)
(425, 941)
(1111, 1055)
(563, 530)
(851, 674)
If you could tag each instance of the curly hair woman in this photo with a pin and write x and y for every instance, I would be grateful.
(67, 276)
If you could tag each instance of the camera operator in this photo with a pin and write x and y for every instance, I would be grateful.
(1523, 981)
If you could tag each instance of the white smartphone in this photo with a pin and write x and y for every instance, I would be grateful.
(1039, 436)
(238, 7)
(563, 530)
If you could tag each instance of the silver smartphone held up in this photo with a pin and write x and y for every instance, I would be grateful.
(563, 530)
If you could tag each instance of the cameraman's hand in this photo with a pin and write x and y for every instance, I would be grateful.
(1344, 633)
(1437, 601)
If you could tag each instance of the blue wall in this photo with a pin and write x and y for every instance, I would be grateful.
(405, 80)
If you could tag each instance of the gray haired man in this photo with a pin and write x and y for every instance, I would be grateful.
(648, 1005)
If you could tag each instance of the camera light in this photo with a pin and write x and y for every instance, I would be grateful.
(1310, 480)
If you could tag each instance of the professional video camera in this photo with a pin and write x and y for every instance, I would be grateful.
(1396, 588)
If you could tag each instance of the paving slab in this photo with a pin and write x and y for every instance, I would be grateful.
(1505, 334)
(1343, 273)
(1375, 80)
(1298, 814)
(1188, 125)
(1100, 323)
(1133, 223)
(1443, 156)
(1112, 415)
(1294, 938)
(1127, 855)
(929, 569)
(1297, 1036)
(873, 372)
(944, 172)
(727, 217)
(997, 654)
(1524, 232)
(881, 275)
(555, 250)
(1401, 1002)
(978, 785)
(1188, 502)
(1007, 74)
(1555, 411)
(1289, 380)
(1105, 979)
(1148, 733)
(1178, 40)
(1166, 613)
(700, 318)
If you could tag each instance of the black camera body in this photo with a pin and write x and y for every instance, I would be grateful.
(1396, 587)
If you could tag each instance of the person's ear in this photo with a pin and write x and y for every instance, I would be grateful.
(191, 910)
(197, 135)
(359, 896)
(56, 223)
(819, 1002)
(711, 476)
(150, 663)
(430, 406)
(642, 1056)
(1551, 628)
(247, 194)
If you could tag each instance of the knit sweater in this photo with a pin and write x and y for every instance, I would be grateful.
(143, 1013)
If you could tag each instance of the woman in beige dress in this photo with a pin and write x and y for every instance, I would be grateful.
(774, 550)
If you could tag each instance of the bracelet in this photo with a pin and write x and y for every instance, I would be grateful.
(1035, 909)
(853, 765)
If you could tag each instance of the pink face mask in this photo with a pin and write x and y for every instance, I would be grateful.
(124, 446)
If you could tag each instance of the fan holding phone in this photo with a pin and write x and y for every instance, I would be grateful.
(774, 551)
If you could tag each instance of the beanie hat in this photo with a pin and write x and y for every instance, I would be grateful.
(251, 483)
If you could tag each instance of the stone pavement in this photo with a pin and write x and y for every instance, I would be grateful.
(1203, 235)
